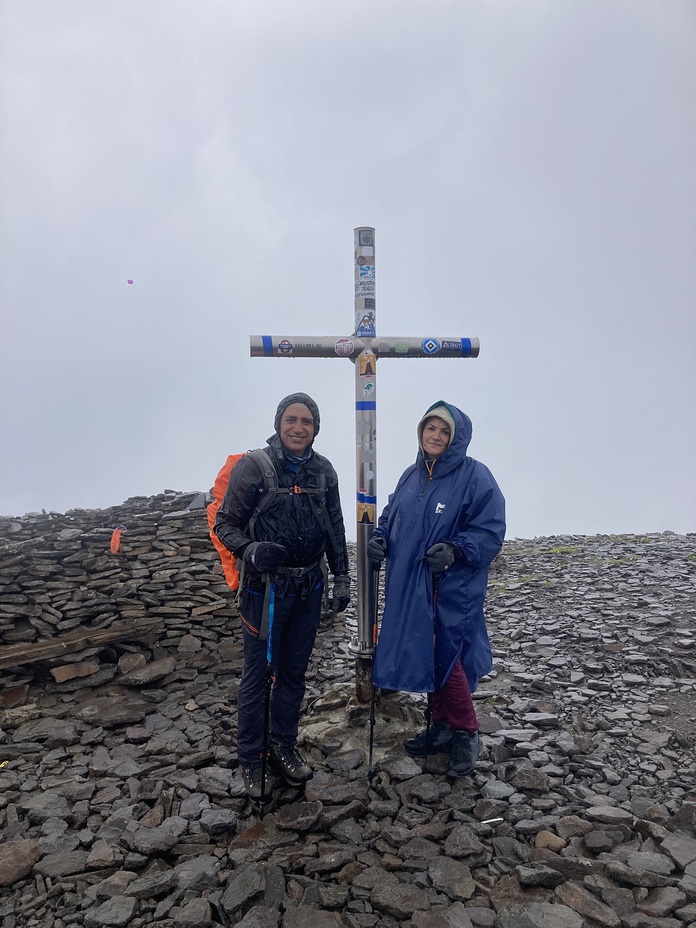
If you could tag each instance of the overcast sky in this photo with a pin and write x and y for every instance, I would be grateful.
(529, 167)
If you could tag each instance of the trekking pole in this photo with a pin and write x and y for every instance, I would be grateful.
(270, 586)
(266, 727)
(428, 720)
(370, 770)
(429, 705)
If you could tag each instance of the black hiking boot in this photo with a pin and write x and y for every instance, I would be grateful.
(463, 752)
(290, 765)
(251, 774)
(434, 741)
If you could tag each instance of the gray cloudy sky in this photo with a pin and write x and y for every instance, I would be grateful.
(529, 167)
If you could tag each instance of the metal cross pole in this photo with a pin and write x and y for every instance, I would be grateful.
(364, 348)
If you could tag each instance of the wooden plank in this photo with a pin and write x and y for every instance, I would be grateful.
(32, 652)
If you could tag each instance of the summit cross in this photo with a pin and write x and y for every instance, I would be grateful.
(364, 348)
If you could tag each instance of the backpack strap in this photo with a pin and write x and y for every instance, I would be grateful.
(271, 489)
(323, 513)
(270, 486)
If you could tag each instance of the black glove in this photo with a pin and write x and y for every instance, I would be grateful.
(376, 550)
(441, 556)
(341, 593)
(265, 556)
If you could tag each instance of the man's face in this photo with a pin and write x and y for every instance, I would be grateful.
(296, 428)
(436, 437)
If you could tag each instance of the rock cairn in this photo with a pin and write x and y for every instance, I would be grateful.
(121, 804)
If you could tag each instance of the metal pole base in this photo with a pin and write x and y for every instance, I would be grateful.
(363, 680)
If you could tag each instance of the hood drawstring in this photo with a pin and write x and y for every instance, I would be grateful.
(429, 466)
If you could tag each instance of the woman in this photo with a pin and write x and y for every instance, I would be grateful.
(443, 525)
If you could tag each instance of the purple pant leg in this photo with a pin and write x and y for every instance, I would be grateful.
(453, 703)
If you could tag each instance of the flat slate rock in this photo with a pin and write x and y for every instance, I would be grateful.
(122, 800)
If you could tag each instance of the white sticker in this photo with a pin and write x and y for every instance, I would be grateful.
(365, 287)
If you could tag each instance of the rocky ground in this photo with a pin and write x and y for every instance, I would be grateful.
(121, 804)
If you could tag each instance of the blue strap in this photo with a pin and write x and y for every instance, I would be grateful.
(271, 609)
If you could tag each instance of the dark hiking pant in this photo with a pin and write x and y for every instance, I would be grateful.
(295, 625)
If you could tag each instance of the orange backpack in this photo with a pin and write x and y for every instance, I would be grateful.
(270, 479)
(227, 559)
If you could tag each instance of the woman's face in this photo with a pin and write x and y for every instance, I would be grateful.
(436, 437)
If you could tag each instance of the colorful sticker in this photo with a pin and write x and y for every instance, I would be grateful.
(366, 513)
(344, 347)
(401, 347)
(368, 271)
(368, 388)
(284, 346)
(366, 326)
(366, 237)
(361, 260)
(430, 346)
(452, 346)
(366, 365)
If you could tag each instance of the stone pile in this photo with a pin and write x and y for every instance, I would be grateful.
(121, 804)
(59, 578)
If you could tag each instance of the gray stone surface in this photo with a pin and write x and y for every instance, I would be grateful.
(538, 915)
(120, 801)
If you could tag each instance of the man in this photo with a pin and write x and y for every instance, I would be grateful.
(282, 585)
(443, 525)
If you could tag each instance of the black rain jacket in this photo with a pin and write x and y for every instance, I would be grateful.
(292, 519)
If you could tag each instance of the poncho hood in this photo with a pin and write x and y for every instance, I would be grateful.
(459, 443)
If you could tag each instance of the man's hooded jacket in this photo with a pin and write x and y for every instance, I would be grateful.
(423, 636)
(291, 520)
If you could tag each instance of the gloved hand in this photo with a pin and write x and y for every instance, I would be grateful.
(265, 556)
(376, 550)
(440, 557)
(341, 593)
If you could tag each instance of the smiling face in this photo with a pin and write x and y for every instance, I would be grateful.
(297, 428)
(436, 437)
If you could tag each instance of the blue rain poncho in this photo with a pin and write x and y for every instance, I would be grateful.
(461, 503)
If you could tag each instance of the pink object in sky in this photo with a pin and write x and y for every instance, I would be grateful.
(130, 281)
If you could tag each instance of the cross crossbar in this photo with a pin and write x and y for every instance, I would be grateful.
(349, 346)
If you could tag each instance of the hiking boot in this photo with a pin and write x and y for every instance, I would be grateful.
(463, 752)
(434, 741)
(251, 774)
(290, 765)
